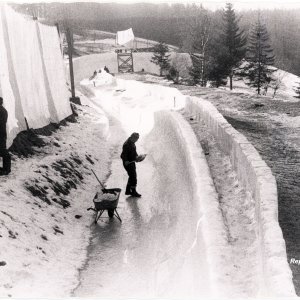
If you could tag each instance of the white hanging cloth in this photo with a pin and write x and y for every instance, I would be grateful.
(124, 36)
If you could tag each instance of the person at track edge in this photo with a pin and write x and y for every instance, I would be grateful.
(130, 157)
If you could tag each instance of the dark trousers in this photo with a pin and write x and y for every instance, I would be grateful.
(131, 171)
(5, 155)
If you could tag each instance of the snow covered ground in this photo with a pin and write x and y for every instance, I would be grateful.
(43, 244)
(39, 239)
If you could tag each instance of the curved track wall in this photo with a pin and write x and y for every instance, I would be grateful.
(257, 178)
(205, 198)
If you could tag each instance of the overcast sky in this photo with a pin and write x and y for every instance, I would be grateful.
(211, 4)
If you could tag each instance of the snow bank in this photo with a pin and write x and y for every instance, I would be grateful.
(257, 178)
(101, 78)
(213, 234)
(43, 244)
(32, 73)
(134, 103)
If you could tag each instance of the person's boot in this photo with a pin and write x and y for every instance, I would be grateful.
(128, 190)
(2, 172)
(6, 163)
(134, 193)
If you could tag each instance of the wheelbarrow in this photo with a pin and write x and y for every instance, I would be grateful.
(108, 200)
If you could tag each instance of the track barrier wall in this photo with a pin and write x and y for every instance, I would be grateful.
(205, 199)
(32, 76)
(256, 177)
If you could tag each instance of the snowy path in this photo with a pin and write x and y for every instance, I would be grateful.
(149, 254)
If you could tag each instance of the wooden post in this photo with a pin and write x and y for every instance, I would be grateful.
(57, 27)
(70, 54)
(60, 43)
(27, 126)
(73, 99)
(132, 62)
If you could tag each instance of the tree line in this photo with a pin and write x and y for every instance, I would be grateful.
(222, 50)
(163, 22)
(198, 31)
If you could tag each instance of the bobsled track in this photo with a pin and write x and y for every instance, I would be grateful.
(204, 227)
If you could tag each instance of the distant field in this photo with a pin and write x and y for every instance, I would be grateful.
(84, 66)
(95, 41)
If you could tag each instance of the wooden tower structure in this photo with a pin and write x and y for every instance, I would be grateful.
(125, 60)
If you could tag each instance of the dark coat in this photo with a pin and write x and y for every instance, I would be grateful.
(129, 151)
(3, 121)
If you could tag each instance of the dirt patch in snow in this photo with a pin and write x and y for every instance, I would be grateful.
(26, 141)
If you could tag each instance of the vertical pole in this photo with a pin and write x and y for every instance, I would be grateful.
(118, 62)
(60, 43)
(70, 54)
(132, 70)
(57, 27)
(27, 126)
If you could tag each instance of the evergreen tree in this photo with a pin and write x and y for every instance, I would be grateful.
(234, 43)
(259, 58)
(218, 67)
(196, 71)
(160, 57)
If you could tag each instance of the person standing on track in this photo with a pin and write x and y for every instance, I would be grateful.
(130, 157)
(3, 136)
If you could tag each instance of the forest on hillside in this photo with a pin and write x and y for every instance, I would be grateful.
(168, 23)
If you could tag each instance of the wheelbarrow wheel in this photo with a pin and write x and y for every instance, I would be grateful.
(110, 213)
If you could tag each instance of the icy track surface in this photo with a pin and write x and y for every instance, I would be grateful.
(153, 253)
(150, 254)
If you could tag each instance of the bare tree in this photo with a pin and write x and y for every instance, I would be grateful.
(278, 81)
(198, 33)
(180, 65)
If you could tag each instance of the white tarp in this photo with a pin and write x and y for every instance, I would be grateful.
(55, 70)
(27, 62)
(32, 75)
(124, 36)
(6, 90)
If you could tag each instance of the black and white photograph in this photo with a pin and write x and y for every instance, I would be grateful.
(150, 149)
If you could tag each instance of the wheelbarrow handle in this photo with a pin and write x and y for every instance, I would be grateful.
(90, 208)
(103, 187)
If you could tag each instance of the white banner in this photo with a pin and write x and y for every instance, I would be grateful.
(124, 36)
